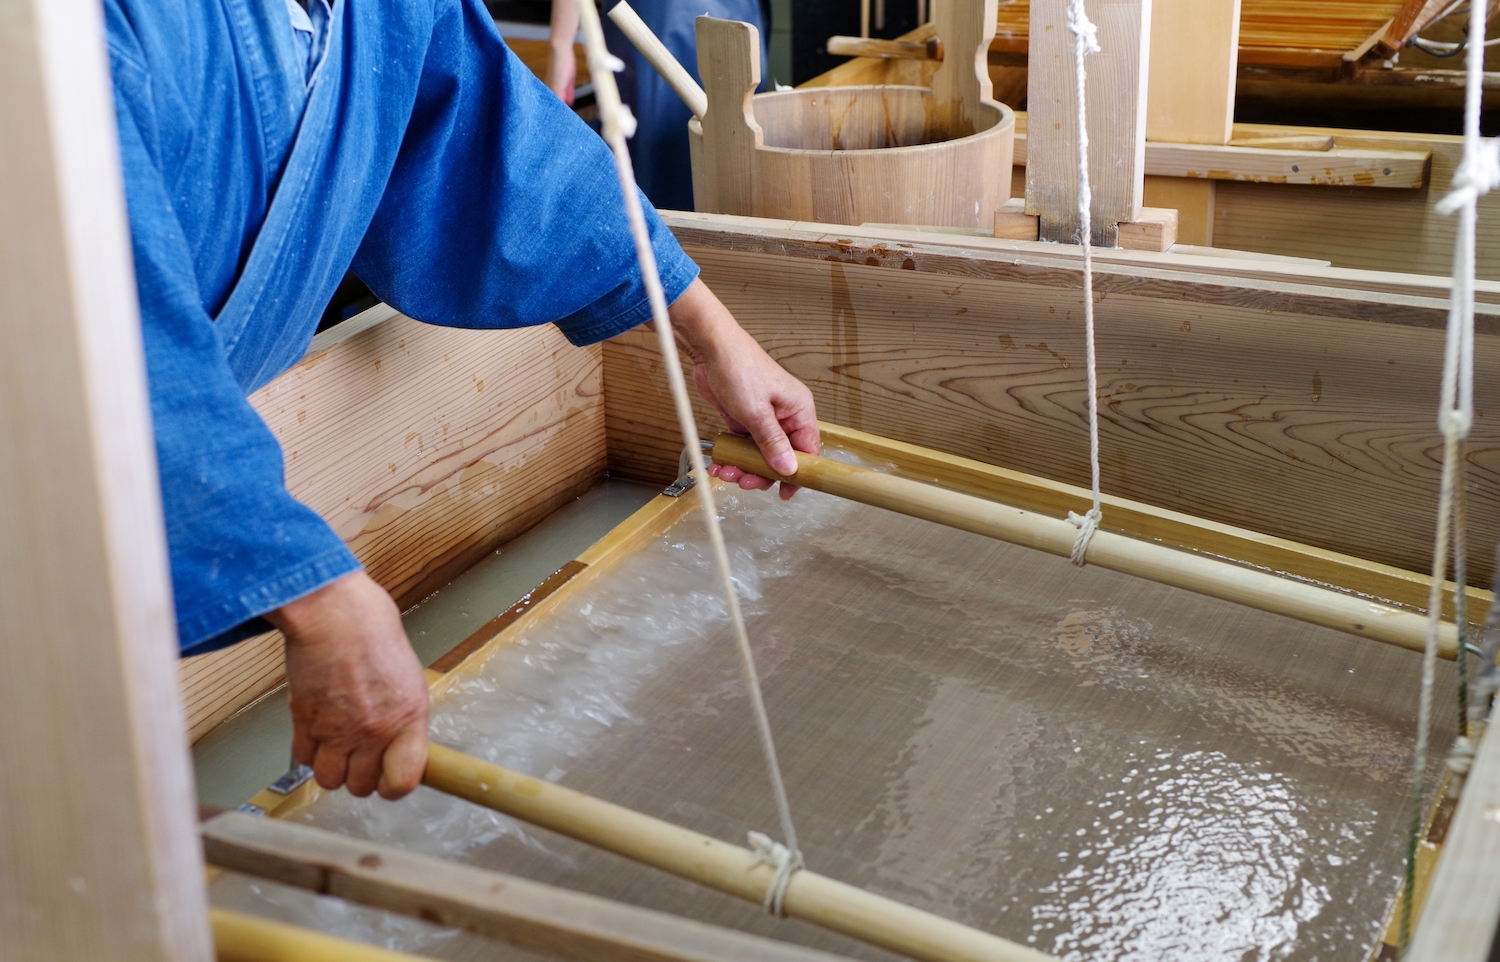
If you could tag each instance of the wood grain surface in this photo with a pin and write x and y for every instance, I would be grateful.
(424, 448)
(1116, 113)
(1291, 418)
(98, 859)
(1190, 97)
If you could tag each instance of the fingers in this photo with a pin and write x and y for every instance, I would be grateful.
(772, 441)
(331, 766)
(364, 771)
(404, 763)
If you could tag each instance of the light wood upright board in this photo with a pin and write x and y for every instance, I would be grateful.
(1116, 93)
(98, 854)
(1190, 100)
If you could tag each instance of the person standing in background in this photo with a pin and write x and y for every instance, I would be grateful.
(659, 149)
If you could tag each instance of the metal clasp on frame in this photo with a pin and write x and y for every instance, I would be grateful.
(685, 479)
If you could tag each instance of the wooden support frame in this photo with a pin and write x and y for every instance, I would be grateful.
(1460, 919)
(1117, 84)
(528, 915)
(99, 860)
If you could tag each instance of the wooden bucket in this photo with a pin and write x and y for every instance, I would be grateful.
(853, 155)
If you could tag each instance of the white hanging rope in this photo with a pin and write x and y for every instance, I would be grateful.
(1477, 175)
(1085, 42)
(618, 125)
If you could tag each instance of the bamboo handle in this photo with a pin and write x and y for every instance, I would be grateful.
(246, 938)
(719, 865)
(657, 54)
(1154, 562)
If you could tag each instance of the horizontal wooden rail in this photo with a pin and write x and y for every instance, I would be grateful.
(719, 865)
(1336, 167)
(528, 915)
(1143, 559)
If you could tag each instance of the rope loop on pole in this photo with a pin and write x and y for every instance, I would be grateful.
(1086, 523)
(786, 863)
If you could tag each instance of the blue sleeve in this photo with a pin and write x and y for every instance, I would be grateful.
(240, 544)
(504, 209)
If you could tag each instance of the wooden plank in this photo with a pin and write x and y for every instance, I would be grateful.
(1190, 97)
(99, 857)
(1116, 118)
(425, 448)
(1403, 168)
(1236, 401)
(528, 915)
(1387, 230)
(1194, 202)
(1461, 913)
(729, 63)
(1270, 282)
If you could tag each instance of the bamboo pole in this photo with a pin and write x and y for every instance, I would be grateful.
(246, 938)
(657, 54)
(1144, 559)
(719, 865)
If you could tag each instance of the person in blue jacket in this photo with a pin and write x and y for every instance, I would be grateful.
(659, 150)
(267, 146)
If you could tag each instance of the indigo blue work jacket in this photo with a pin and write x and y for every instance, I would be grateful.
(260, 162)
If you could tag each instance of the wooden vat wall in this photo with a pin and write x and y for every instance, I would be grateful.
(1300, 420)
(425, 448)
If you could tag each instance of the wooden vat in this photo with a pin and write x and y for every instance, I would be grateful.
(886, 154)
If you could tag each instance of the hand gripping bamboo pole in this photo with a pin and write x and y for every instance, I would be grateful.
(657, 54)
(1144, 559)
(719, 865)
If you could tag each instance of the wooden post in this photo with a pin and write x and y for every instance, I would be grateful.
(1462, 909)
(1191, 99)
(729, 64)
(99, 858)
(1116, 118)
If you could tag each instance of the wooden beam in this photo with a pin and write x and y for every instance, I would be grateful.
(528, 915)
(1116, 118)
(426, 448)
(1342, 166)
(98, 859)
(1461, 914)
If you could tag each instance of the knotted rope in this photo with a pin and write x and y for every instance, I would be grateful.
(783, 860)
(1477, 175)
(618, 125)
(1085, 42)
